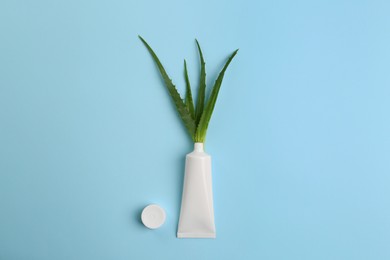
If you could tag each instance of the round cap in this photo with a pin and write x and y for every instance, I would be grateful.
(153, 216)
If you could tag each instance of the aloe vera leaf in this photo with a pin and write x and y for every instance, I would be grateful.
(206, 116)
(202, 87)
(180, 106)
(188, 99)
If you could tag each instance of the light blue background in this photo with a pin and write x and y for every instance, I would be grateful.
(300, 137)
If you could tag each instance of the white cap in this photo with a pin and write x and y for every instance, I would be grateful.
(153, 216)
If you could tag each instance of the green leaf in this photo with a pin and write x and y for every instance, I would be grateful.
(180, 106)
(200, 135)
(188, 100)
(202, 87)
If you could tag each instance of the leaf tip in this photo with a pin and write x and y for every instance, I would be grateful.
(198, 45)
(143, 40)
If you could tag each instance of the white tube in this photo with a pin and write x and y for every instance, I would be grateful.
(197, 210)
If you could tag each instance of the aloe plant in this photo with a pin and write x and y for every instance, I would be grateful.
(196, 119)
